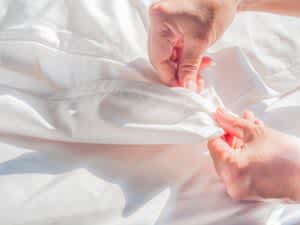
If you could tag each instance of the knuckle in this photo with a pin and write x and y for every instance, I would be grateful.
(254, 131)
(259, 130)
(236, 123)
(187, 68)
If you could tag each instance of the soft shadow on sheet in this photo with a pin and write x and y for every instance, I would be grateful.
(141, 172)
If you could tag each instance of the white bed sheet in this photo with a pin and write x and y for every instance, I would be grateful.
(66, 176)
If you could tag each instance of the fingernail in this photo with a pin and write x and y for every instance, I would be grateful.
(191, 85)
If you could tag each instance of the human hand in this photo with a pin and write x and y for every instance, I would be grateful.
(287, 7)
(261, 163)
(180, 33)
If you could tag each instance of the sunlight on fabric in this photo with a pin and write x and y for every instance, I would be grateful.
(151, 211)
(275, 216)
(21, 106)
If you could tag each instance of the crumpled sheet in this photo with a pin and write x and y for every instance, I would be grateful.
(75, 76)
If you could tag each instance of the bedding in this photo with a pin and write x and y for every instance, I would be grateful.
(80, 104)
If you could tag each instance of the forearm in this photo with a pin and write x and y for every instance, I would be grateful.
(296, 186)
(284, 7)
(292, 154)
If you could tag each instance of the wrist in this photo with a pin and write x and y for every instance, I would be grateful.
(296, 188)
(294, 181)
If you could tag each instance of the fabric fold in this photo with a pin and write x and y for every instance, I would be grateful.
(112, 112)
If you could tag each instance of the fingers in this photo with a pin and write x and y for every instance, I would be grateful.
(160, 50)
(166, 69)
(175, 48)
(232, 168)
(259, 123)
(248, 115)
(200, 83)
(162, 41)
(231, 124)
(167, 73)
(218, 148)
(246, 128)
(166, 60)
(220, 153)
(233, 141)
(190, 63)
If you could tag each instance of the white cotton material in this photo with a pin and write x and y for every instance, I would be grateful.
(112, 112)
(75, 77)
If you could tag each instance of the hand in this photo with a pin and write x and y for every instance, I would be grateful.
(286, 7)
(261, 163)
(180, 33)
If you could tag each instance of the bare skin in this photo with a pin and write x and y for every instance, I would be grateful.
(253, 161)
(182, 30)
(180, 33)
(262, 163)
(286, 7)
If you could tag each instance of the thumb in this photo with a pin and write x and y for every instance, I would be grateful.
(231, 166)
(219, 151)
(238, 127)
(231, 124)
(224, 157)
(189, 64)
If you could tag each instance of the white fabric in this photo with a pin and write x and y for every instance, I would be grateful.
(75, 76)
(112, 112)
